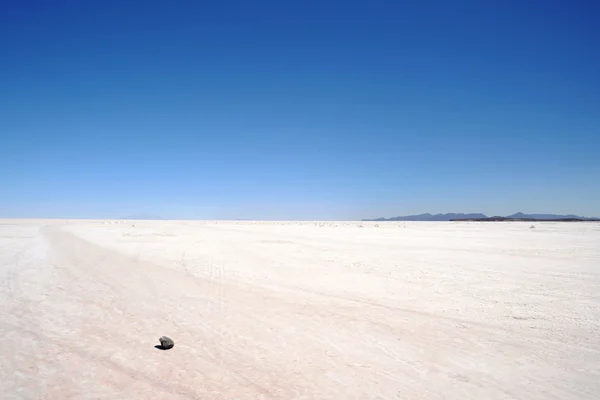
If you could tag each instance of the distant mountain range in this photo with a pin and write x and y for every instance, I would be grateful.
(479, 216)
(143, 216)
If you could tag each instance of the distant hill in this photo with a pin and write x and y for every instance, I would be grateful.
(482, 217)
(430, 217)
(507, 219)
(143, 216)
(521, 215)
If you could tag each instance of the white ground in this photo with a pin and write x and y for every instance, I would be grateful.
(299, 310)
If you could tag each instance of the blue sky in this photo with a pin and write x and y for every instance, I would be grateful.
(299, 109)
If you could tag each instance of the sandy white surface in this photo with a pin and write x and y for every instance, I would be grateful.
(287, 310)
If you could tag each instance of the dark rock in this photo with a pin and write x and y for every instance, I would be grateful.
(166, 342)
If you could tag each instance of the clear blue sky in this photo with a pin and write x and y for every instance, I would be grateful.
(298, 109)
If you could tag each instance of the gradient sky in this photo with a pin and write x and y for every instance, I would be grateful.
(298, 109)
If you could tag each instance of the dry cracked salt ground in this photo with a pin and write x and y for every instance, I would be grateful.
(289, 310)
